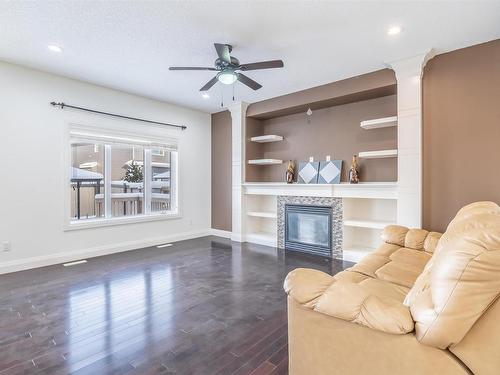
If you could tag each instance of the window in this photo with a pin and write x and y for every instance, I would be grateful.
(115, 177)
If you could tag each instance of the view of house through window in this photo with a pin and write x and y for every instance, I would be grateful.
(160, 185)
(127, 180)
(139, 180)
(87, 180)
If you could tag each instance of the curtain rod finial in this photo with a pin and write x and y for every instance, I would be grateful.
(58, 104)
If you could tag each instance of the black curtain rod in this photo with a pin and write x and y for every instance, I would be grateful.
(63, 105)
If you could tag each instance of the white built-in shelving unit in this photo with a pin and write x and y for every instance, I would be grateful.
(264, 214)
(261, 222)
(378, 123)
(265, 161)
(367, 209)
(378, 154)
(364, 220)
(267, 138)
(372, 224)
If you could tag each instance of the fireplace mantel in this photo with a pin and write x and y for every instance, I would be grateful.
(374, 190)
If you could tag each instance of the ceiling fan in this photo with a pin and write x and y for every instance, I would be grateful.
(227, 67)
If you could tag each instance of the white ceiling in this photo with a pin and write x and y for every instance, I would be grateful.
(129, 45)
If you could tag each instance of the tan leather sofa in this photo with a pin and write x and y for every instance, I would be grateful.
(421, 303)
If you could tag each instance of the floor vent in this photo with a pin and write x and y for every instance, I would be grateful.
(74, 263)
(164, 245)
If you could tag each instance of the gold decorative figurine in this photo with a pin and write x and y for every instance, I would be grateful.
(353, 172)
(290, 172)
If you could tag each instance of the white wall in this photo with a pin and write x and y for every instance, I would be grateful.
(32, 190)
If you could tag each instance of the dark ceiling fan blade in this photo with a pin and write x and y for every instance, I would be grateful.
(189, 68)
(262, 65)
(223, 51)
(248, 81)
(209, 84)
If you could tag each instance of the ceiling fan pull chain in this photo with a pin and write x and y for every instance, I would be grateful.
(233, 91)
(221, 97)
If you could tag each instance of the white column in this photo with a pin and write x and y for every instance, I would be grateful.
(409, 80)
(238, 117)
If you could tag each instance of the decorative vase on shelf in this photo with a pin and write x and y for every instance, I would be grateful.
(353, 172)
(290, 172)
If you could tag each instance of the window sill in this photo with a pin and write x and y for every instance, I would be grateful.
(99, 223)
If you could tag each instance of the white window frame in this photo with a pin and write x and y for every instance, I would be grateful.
(100, 135)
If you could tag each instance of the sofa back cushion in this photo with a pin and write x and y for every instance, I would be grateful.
(461, 280)
(402, 256)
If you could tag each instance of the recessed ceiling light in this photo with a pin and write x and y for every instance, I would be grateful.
(394, 30)
(54, 48)
(205, 96)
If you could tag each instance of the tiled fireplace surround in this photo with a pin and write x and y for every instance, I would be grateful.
(337, 226)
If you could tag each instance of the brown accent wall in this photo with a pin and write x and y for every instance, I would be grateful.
(253, 150)
(221, 171)
(354, 89)
(331, 131)
(461, 131)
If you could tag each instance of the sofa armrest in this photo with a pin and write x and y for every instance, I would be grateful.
(306, 285)
(352, 302)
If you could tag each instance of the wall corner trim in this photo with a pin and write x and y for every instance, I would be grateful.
(221, 233)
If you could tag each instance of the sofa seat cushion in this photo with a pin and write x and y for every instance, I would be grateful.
(376, 287)
(350, 276)
(372, 262)
(395, 264)
(384, 289)
(404, 266)
(414, 258)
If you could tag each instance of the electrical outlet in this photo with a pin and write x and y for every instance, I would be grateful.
(6, 246)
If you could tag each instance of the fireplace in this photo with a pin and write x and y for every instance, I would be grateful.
(310, 224)
(308, 229)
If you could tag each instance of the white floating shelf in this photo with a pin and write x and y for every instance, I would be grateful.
(269, 215)
(265, 161)
(267, 138)
(355, 253)
(373, 224)
(262, 238)
(377, 123)
(378, 154)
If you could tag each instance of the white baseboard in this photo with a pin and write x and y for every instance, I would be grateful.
(237, 237)
(221, 233)
(63, 257)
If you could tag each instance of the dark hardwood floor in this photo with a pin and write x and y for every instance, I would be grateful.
(202, 306)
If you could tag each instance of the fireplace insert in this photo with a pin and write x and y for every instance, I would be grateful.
(308, 229)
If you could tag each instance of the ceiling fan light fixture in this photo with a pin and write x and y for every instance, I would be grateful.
(227, 78)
